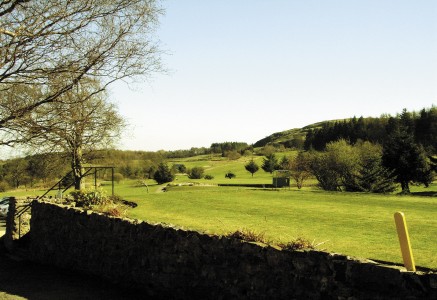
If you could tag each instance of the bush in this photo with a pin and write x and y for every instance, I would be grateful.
(87, 199)
(179, 168)
(4, 186)
(232, 155)
(118, 177)
(230, 175)
(208, 177)
(196, 173)
(248, 236)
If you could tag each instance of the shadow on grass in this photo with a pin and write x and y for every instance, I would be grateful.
(26, 280)
(425, 194)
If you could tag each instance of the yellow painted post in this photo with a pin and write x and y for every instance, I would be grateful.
(404, 240)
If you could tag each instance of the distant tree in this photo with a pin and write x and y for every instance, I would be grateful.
(299, 168)
(370, 175)
(179, 168)
(252, 167)
(15, 172)
(356, 168)
(406, 159)
(270, 163)
(196, 173)
(163, 174)
(285, 163)
(45, 167)
(232, 155)
(118, 177)
(268, 150)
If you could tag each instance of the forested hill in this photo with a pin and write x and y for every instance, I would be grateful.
(420, 125)
(292, 138)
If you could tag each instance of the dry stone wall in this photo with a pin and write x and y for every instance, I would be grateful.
(168, 263)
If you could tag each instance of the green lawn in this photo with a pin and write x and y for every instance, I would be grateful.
(354, 224)
(350, 223)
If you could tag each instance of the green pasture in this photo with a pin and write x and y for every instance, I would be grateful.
(355, 224)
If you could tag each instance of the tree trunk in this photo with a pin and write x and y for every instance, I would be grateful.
(76, 167)
(405, 187)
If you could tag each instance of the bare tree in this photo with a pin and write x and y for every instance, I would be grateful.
(41, 40)
(78, 124)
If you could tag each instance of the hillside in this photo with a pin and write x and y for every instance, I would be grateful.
(291, 138)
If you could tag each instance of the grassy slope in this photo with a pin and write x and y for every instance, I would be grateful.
(355, 224)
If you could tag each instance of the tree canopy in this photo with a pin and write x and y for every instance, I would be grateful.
(43, 40)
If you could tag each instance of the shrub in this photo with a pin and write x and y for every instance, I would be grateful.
(230, 175)
(208, 177)
(4, 186)
(118, 177)
(196, 173)
(248, 236)
(87, 199)
(232, 155)
(301, 244)
(179, 168)
(112, 209)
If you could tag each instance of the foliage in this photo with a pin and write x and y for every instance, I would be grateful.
(80, 123)
(232, 155)
(407, 160)
(299, 168)
(252, 167)
(208, 177)
(248, 236)
(4, 186)
(112, 209)
(355, 168)
(196, 173)
(179, 168)
(230, 175)
(118, 177)
(299, 244)
(225, 147)
(88, 199)
(44, 40)
(422, 126)
(270, 163)
(163, 174)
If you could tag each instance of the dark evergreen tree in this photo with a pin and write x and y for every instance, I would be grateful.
(252, 167)
(163, 174)
(372, 177)
(406, 159)
(270, 163)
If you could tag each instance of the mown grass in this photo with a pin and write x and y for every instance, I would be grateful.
(350, 223)
(354, 224)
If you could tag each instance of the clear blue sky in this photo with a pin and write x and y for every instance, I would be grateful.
(242, 70)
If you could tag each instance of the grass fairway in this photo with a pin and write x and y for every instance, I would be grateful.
(355, 224)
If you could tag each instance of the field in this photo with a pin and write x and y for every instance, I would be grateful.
(355, 224)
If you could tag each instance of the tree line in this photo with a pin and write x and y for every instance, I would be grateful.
(422, 126)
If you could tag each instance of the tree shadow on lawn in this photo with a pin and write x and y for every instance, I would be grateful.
(27, 280)
(425, 194)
